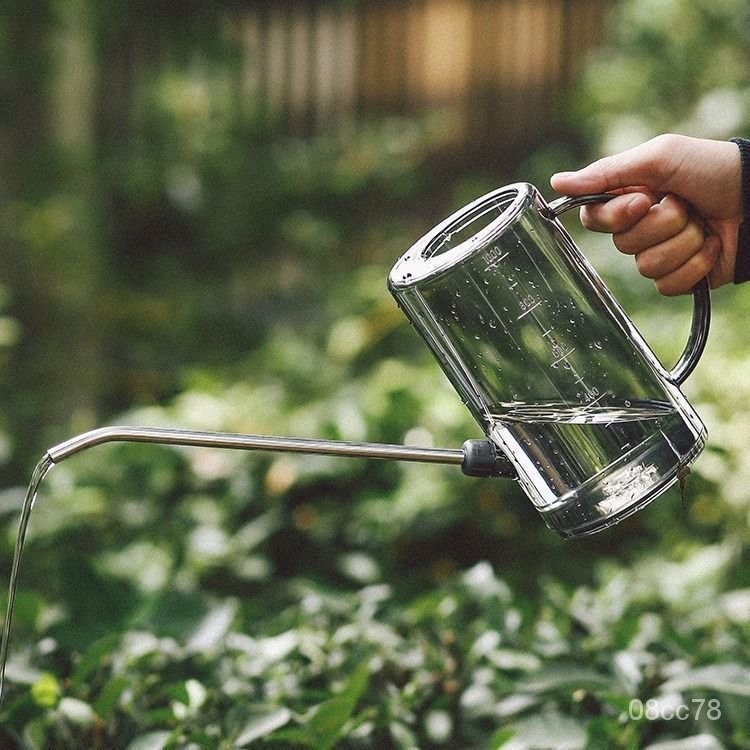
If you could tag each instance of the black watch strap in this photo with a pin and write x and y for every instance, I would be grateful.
(742, 260)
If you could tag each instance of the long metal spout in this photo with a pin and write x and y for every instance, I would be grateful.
(249, 442)
(467, 457)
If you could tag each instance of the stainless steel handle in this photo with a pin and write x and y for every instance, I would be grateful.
(701, 320)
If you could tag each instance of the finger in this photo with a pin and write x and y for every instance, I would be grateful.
(664, 220)
(665, 257)
(649, 163)
(682, 280)
(706, 173)
(618, 214)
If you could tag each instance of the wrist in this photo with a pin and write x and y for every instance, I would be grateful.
(742, 257)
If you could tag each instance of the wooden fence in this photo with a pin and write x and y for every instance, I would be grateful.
(494, 68)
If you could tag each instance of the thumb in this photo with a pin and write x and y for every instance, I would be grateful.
(647, 165)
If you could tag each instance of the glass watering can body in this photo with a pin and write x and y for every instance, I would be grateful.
(547, 361)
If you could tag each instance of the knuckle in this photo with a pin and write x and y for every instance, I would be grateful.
(587, 220)
(694, 233)
(596, 219)
(646, 265)
(624, 244)
(705, 262)
(669, 288)
(665, 142)
(674, 217)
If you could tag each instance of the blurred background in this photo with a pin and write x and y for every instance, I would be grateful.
(176, 177)
(199, 206)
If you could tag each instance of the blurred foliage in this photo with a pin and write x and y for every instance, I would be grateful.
(213, 276)
(219, 599)
(671, 66)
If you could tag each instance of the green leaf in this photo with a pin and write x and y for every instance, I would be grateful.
(35, 734)
(96, 604)
(328, 719)
(174, 613)
(105, 704)
(403, 737)
(696, 742)
(561, 677)
(92, 658)
(500, 737)
(263, 725)
(189, 698)
(150, 741)
(292, 736)
(731, 679)
(212, 628)
(77, 711)
(46, 691)
(26, 609)
(534, 732)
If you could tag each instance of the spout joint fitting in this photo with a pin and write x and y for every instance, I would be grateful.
(482, 459)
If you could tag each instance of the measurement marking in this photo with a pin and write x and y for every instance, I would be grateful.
(526, 312)
(547, 332)
(494, 262)
(579, 380)
(598, 399)
(564, 356)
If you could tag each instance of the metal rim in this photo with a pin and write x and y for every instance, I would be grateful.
(427, 257)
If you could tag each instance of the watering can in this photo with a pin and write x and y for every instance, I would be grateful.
(573, 403)
(548, 363)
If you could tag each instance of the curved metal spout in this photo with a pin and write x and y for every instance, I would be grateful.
(196, 438)
(474, 462)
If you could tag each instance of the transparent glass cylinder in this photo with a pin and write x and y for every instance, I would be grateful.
(547, 361)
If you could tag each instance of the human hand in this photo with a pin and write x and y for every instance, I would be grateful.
(678, 207)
